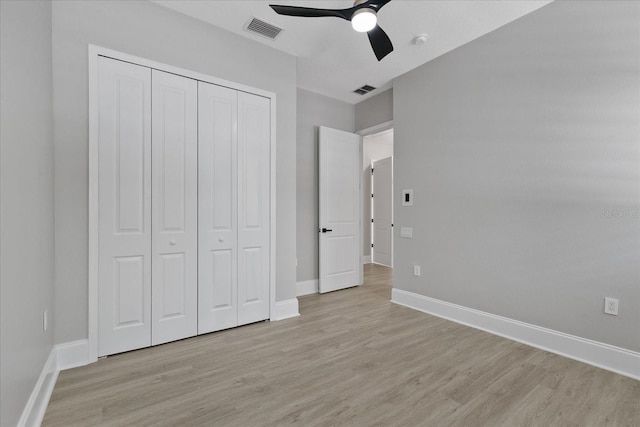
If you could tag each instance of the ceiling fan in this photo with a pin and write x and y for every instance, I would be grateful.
(363, 17)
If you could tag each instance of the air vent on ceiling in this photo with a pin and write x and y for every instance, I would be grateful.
(364, 90)
(263, 28)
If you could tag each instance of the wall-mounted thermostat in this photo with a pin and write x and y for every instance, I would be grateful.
(407, 197)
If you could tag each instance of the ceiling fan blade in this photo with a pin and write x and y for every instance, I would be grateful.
(376, 4)
(311, 12)
(380, 42)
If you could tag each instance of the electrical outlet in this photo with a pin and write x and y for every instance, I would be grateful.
(45, 320)
(611, 306)
(416, 270)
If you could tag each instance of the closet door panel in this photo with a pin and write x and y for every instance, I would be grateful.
(254, 133)
(124, 152)
(217, 208)
(221, 301)
(175, 205)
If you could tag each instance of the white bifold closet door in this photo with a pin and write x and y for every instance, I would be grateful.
(233, 209)
(254, 133)
(148, 207)
(217, 208)
(184, 207)
(124, 151)
(174, 207)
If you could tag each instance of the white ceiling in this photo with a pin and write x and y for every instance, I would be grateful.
(334, 60)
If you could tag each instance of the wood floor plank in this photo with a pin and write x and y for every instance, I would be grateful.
(351, 359)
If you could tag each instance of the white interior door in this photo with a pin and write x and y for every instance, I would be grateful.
(217, 208)
(254, 138)
(124, 260)
(382, 212)
(174, 238)
(340, 161)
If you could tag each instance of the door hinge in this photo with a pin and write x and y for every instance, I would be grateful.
(371, 171)
(372, 245)
(371, 219)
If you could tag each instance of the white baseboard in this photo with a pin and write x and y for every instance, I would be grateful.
(366, 259)
(72, 354)
(36, 406)
(384, 265)
(616, 359)
(62, 356)
(307, 287)
(285, 309)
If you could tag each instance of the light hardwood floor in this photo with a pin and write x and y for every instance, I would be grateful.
(351, 359)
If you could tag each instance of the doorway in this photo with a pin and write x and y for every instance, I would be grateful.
(378, 198)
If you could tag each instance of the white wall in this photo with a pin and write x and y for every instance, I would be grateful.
(150, 31)
(522, 148)
(313, 111)
(374, 147)
(26, 201)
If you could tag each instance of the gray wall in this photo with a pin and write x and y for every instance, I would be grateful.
(148, 30)
(522, 148)
(374, 111)
(26, 200)
(313, 111)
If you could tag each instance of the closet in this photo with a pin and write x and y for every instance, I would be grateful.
(183, 204)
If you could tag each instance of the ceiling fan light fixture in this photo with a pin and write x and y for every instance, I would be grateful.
(364, 20)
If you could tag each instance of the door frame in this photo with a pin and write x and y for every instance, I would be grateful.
(380, 127)
(376, 128)
(93, 277)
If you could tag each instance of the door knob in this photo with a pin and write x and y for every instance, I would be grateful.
(172, 242)
(326, 230)
(220, 239)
